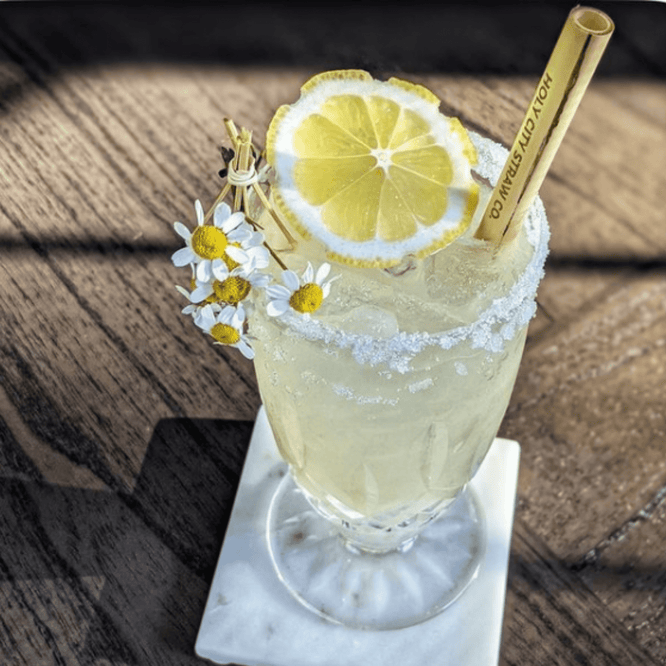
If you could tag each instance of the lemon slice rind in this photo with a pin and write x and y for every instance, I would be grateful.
(306, 218)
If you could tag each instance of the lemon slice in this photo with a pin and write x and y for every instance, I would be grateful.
(371, 169)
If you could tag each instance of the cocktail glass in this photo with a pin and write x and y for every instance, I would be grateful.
(384, 406)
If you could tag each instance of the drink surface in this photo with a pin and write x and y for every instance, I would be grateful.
(387, 402)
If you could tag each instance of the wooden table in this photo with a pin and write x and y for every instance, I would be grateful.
(123, 430)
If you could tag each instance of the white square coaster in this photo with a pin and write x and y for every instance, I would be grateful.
(251, 618)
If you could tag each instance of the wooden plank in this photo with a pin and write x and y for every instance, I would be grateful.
(569, 289)
(591, 458)
(602, 193)
(44, 622)
(552, 618)
(626, 572)
(110, 561)
(122, 328)
(123, 576)
(613, 161)
(99, 393)
(641, 97)
(85, 580)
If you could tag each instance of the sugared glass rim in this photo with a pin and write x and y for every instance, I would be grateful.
(494, 327)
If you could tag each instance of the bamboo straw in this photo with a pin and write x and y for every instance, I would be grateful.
(577, 53)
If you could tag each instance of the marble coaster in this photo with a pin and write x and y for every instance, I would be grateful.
(251, 618)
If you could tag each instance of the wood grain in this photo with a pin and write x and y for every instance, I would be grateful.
(552, 619)
(123, 430)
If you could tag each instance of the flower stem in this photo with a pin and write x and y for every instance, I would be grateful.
(220, 198)
(274, 255)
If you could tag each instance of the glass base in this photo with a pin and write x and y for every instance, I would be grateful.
(251, 618)
(365, 590)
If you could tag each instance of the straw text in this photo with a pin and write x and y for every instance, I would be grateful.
(522, 142)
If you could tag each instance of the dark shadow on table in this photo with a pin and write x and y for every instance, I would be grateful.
(152, 551)
(472, 36)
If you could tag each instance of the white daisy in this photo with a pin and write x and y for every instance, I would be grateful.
(257, 254)
(229, 287)
(226, 327)
(194, 305)
(304, 295)
(210, 244)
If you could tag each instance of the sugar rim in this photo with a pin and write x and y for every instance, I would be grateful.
(492, 329)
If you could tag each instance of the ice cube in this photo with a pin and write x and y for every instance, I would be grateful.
(370, 320)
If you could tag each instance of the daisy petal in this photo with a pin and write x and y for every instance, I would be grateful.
(259, 257)
(260, 280)
(238, 319)
(308, 274)
(246, 269)
(277, 308)
(236, 254)
(257, 238)
(278, 291)
(239, 235)
(245, 349)
(182, 230)
(204, 272)
(291, 280)
(226, 315)
(183, 257)
(222, 213)
(219, 269)
(201, 293)
(206, 318)
(322, 273)
(200, 212)
(232, 222)
(326, 287)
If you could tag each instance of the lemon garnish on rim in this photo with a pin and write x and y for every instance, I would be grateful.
(371, 169)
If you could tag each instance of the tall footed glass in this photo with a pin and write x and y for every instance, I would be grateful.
(384, 405)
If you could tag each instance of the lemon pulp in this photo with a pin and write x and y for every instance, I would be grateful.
(371, 169)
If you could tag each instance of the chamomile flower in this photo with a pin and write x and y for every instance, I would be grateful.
(209, 244)
(226, 327)
(195, 303)
(230, 287)
(256, 252)
(194, 306)
(304, 295)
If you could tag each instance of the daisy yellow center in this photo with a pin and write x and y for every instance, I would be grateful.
(232, 290)
(225, 334)
(209, 242)
(308, 298)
